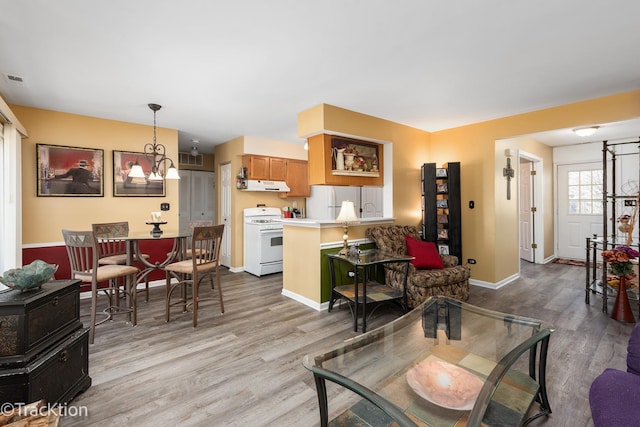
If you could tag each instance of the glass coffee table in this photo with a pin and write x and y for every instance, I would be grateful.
(445, 362)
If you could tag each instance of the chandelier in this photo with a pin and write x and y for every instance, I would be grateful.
(157, 153)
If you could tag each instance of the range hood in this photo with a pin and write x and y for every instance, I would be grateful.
(263, 185)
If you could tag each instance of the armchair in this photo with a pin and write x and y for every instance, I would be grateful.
(451, 281)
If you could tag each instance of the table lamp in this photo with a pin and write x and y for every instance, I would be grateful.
(346, 216)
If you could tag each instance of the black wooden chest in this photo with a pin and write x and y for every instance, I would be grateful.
(44, 351)
(57, 377)
(30, 322)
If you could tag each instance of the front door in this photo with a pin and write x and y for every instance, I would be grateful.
(579, 207)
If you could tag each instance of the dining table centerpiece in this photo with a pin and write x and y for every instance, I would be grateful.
(619, 260)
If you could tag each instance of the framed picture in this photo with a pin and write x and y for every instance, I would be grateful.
(443, 234)
(442, 204)
(355, 157)
(443, 219)
(442, 188)
(443, 249)
(441, 172)
(69, 171)
(124, 185)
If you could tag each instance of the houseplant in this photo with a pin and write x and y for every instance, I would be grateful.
(619, 260)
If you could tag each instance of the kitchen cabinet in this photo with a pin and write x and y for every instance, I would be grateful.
(265, 167)
(197, 197)
(297, 178)
(328, 165)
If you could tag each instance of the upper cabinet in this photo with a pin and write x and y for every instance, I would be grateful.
(265, 168)
(336, 160)
(297, 178)
(294, 172)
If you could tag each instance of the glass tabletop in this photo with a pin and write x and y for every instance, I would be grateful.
(372, 256)
(436, 364)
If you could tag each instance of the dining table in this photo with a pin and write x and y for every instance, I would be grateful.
(133, 251)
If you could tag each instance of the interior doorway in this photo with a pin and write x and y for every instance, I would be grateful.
(530, 219)
(225, 213)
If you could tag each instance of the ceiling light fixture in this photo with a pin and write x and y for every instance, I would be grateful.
(588, 131)
(157, 153)
(194, 149)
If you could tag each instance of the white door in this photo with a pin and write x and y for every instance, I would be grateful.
(579, 204)
(185, 199)
(526, 215)
(202, 196)
(225, 213)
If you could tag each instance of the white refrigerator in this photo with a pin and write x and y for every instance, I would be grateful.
(325, 200)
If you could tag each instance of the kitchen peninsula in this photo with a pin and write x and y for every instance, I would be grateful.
(305, 265)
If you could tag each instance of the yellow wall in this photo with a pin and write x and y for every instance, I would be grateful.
(44, 217)
(488, 230)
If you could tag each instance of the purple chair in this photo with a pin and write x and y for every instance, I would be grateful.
(614, 394)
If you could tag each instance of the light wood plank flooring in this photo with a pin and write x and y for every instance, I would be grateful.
(244, 368)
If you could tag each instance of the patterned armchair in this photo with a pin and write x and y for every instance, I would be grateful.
(451, 281)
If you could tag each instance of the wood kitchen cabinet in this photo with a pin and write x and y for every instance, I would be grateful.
(297, 178)
(265, 167)
(324, 169)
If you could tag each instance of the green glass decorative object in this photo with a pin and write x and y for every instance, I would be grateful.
(29, 277)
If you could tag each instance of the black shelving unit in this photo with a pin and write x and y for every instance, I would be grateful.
(596, 269)
(441, 207)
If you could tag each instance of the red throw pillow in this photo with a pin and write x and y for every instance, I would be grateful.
(425, 253)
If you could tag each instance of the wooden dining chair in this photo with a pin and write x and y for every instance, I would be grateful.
(113, 249)
(83, 250)
(205, 244)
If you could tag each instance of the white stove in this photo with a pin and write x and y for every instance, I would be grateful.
(262, 241)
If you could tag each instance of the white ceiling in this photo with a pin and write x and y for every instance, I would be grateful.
(222, 69)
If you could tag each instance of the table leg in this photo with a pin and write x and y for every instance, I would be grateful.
(321, 388)
(356, 298)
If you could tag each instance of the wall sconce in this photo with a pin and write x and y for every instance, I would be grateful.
(157, 153)
(346, 216)
(508, 172)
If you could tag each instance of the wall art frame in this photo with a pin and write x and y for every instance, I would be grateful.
(125, 186)
(64, 171)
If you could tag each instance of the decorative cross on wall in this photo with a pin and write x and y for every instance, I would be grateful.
(509, 173)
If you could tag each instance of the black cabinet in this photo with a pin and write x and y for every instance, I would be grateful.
(441, 207)
(44, 350)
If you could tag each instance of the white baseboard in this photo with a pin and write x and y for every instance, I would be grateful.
(306, 301)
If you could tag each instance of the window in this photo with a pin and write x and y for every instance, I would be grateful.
(585, 192)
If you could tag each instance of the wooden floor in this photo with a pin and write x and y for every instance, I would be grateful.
(244, 368)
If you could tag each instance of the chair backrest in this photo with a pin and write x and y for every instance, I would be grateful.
(194, 224)
(391, 238)
(81, 247)
(108, 237)
(205, 244)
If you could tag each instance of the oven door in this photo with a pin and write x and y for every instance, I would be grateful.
(270, 246)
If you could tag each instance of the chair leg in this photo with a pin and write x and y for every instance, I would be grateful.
(167, 295)
(132, 299)
(195, 298)
(219, 290)
(94, 305)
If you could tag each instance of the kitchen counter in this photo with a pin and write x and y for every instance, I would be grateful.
(328, 223)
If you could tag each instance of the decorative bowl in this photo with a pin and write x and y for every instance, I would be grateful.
(30, 276)
(444, 384)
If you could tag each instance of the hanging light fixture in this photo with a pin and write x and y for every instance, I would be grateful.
(157, 153)
(194, 149)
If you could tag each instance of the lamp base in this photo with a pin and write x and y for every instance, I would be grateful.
(344, 251)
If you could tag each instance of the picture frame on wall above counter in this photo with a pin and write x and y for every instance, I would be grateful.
(355, 158)
(69, 171)
(126, 186)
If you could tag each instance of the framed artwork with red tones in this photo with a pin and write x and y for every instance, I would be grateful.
(126, 186)
(69, 171)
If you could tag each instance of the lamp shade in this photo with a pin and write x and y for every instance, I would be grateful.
(347, 213)
(136, 171)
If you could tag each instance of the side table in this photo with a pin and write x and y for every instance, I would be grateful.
(365, 289)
